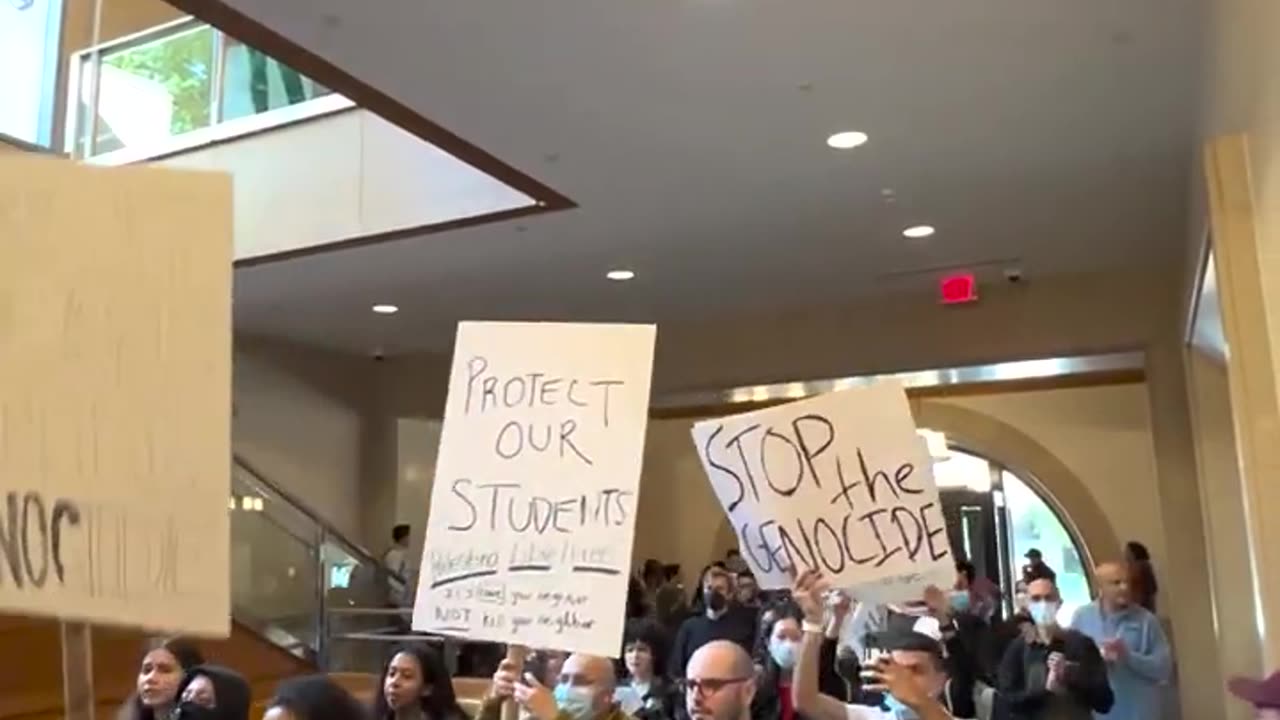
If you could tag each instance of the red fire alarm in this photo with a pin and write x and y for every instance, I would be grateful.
(958, 289)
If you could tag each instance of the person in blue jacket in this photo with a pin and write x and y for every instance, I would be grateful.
(1132, 643)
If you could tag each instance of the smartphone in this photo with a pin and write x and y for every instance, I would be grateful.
(536, 665)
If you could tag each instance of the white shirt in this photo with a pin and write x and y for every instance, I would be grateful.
(866, 712)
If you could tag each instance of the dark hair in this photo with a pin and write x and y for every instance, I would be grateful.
(188, 655)
(652, 634)
(232, 695)
(637, 603)
(964, 567)
(671, 571)
(747, 574)
(1137, 551)
(316, 697)
(652, 569)
(781, 610)
(732, 552)
(400, 532)
(441, 703)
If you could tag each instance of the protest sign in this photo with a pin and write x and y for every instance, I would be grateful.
(840, 483)
(534, 501)
(115, 394)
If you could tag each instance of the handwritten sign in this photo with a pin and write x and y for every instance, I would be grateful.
(115, 394)
(840, 483)
(534, 502)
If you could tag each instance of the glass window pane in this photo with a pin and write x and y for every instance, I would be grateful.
(154, 90)
(254, 83)
(1033, 524)
(29, 33)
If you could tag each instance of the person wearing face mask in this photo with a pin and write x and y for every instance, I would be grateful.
(416, 686)
(209, 692)
(911, 674)
(777, 653)
(584, 691)
(162, 671)
(645, 693)
(721, 619)
(1052, 673)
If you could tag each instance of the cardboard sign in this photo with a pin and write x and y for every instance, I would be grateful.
(115, 394)
(839, 482)
(534, 502)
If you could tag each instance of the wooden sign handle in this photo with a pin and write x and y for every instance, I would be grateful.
(515, 655)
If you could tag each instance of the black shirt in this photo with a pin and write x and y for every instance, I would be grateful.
(737, 625)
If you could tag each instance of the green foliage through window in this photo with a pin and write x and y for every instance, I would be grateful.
(183, 65)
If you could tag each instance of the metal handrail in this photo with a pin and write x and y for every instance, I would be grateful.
(361, 553)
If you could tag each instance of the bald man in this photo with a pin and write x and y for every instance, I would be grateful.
(719, 682)
(1132, 642)
(583, 691)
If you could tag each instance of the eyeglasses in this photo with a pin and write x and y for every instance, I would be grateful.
(707, 686)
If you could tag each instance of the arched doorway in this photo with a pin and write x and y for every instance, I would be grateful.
(995, 516)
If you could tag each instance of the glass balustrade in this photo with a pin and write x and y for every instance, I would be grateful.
(298, 582)
(173, 86)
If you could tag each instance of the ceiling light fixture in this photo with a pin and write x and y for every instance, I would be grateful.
(847, 140)
(620, 275)
(919, 231)
(383, 309)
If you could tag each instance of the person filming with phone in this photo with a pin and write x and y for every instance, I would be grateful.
(912, 675)
(583, 691)
(1050, 672)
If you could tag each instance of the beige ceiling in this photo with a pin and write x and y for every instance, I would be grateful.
(1051, 136)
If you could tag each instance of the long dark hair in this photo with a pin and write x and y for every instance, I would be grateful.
(441, 703)
(188, 655)
(316, 697)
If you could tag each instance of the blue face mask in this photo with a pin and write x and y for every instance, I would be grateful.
(959, 600)
(1043, 612)
(576, 702)
(900, 711)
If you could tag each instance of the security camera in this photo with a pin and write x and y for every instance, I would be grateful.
(1013, 275)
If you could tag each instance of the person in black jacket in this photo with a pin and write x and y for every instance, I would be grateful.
(721, 619)
(1052, 673)
(209, 692)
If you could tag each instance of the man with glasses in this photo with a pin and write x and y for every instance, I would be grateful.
(719, 682)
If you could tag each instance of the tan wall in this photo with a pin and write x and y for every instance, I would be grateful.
(1222, 501)
(1103, 436)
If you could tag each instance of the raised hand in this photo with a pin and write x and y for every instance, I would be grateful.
(504, 680)
(900, 682)
(807, 590)
(536, 698)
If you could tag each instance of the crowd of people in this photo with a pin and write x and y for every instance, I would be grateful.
(729, 651)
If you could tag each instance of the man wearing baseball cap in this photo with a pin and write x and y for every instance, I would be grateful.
(1264, 695)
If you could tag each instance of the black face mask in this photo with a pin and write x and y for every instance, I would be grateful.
(717, 601)
(192, 711)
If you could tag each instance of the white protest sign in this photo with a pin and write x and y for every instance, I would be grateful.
(840, 483)
(537, 479)
(115, 394)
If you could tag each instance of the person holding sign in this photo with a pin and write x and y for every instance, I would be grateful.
(913, 675)
(584, 691)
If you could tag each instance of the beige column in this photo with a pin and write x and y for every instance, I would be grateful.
(1247, 251)
(1185, 588)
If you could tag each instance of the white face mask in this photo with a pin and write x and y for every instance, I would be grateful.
(783, 652)
(1044, 612)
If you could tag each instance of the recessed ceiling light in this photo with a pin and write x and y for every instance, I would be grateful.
(620, 274)
(847, 140)
(386, 309)
(919, 231)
